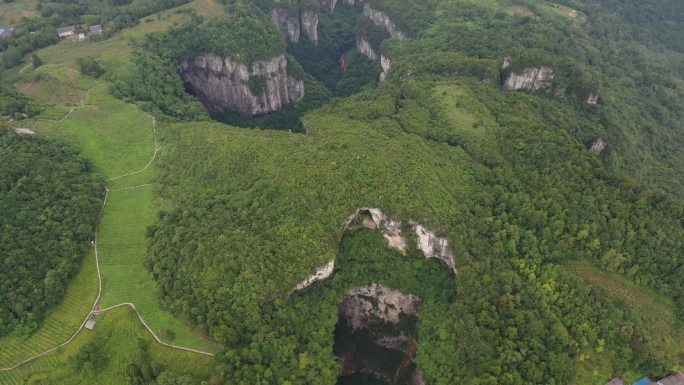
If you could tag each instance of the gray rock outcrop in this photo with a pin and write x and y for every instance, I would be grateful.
(364, 47)
(386, 64)
(381, 19)
(222, 84)
(322, 273)
(598, 146)
(507, 61)
(327, 6)
(592, 98)
(433, 246)
(365, 307)
(391, 229)
(530, 79)
(288, 25)
(310, 25)
(293, 26)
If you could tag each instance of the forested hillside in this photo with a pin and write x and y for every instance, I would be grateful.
(257, 211)
(536, 145)
(49, 200)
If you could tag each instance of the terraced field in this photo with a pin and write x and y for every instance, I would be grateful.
(60, 324)
(118, 139)
(117, 334)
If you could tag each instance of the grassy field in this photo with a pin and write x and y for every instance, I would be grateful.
(61, 323)
(661, 330)
(118, 139)
(12, 12)
(122, 248)
(116, 335)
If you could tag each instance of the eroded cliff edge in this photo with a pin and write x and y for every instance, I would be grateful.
(257, 88)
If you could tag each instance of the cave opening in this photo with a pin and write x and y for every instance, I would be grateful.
(376, 337)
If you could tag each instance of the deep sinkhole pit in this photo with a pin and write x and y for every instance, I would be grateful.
(376, 337)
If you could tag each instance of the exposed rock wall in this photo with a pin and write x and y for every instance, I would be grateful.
(433, 246)
(327, 6)
(322, 273)
(390, 228)
(592, 98)
(294, 25)
(222, 84)
(310, 25)
(381, 19)
(388, 319)
(365, 48)
(507, 61)
(530, 79)
(386, 64)
(365, 307)
(288, 25)
(598, 146)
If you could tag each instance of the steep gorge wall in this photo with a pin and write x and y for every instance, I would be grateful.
(530, 79)
(386, 318)
(293, 25)
(223, 84)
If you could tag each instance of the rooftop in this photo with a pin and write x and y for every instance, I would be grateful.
(70, 28)
(677, 379)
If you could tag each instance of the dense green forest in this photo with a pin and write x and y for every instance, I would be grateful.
(49, 201)
(508, 175)
(489, 193)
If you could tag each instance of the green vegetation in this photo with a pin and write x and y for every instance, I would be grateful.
(564, 258)
(411, 16)
(104, 355)
(49, 200)
(89, 66)
(59, 323)
(467, 178)
(40, 31)
(12, 103)
(118, 139)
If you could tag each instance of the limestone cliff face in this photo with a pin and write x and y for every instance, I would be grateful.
(391, 229)
(364, 47)
(433, 246)
(224, 85)
(598, 146)
(327, 6)
(530, 79)
(381, 19)
(322, 273)
(293, 25)
(386, 65)
(287, 24)
(365, 307)
(387, 318)
(310, 25)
